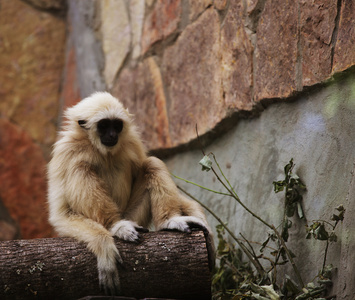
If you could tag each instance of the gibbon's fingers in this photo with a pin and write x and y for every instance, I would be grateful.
(181, 223)
(142, 229)
(126, 230)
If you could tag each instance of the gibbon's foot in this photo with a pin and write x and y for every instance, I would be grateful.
(127, 230)
(184, 224)
(107, 263)
(109, 281)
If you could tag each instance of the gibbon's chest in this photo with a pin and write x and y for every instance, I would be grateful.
(118, 182)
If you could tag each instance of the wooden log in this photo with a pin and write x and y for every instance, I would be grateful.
(164, 265)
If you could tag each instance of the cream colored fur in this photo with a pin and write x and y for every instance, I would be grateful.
(97, 192)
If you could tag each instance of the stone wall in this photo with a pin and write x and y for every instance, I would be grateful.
(263, 80)
(32, 51)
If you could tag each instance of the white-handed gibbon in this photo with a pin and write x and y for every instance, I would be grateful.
(102, 184)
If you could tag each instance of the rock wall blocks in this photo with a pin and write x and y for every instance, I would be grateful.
(141, 91)
(31, 63)
(276, 50)
(344, 52)
(317, 24)
(193, 80)
(161, 21)
(23, 180)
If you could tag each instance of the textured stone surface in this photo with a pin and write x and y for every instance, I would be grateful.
(116, 36)
(237, 59)
(141, 91)
(31, 61)
(344, 53)
(84, 25)
(317, 22)
(70, 93)
(23, 181)
(193, 80)
(196, 7)
(136, 13)
(48, 4)
(162, 21)
(220, 4)
(9, 229)
(276, 50)
(317, 131)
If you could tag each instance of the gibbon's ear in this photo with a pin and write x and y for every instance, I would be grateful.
(82, 123)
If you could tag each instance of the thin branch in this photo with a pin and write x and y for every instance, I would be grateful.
(201, 186)
(289, 256)
(241, 245)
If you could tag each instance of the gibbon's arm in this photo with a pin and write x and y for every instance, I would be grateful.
(89, 215)
(86, 195)
(170, 210)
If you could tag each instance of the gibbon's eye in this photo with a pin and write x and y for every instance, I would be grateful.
(109, 130)
(82, 123)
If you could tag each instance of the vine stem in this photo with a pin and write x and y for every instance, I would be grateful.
(325, 256)
(289, 256)
(234, 194)
(241, 245)
(201, 186)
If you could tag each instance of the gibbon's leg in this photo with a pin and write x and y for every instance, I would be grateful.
(99, 241)
(170, 210)
(139, 206)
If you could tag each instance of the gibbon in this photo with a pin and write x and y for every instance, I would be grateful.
(102, 184)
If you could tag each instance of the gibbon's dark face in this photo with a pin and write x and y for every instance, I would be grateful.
(109, 130)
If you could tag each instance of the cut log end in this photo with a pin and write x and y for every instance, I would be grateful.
(164, 265)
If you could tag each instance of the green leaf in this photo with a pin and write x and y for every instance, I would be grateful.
(206, 163)
(333, 237)
(300, 210)
(321, 233)
(279, 186)
(288, 168)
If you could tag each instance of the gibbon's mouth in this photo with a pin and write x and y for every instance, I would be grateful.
(109, 142)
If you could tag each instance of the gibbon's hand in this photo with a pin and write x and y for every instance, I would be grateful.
(127, 230)
(184, 224)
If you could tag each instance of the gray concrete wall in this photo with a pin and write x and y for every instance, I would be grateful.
(317, 130)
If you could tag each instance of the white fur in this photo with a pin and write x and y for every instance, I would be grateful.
(181, 223)
(126, 230)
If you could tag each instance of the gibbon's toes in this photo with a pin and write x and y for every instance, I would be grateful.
(197, 226)
(184, 224)
(126, 230)
(109, 282)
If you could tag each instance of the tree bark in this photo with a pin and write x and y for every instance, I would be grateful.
(164, 265)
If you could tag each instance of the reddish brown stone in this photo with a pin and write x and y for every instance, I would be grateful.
(70, 89)
(7, 231)
(32, 46)
(237, 58)
(192, 75)
(276, 50)
(141, 91)
(220, 4)
(162, 21)
(317, 23)
(48, 4)
(196, 7)
(344, 54)
(23, 181)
